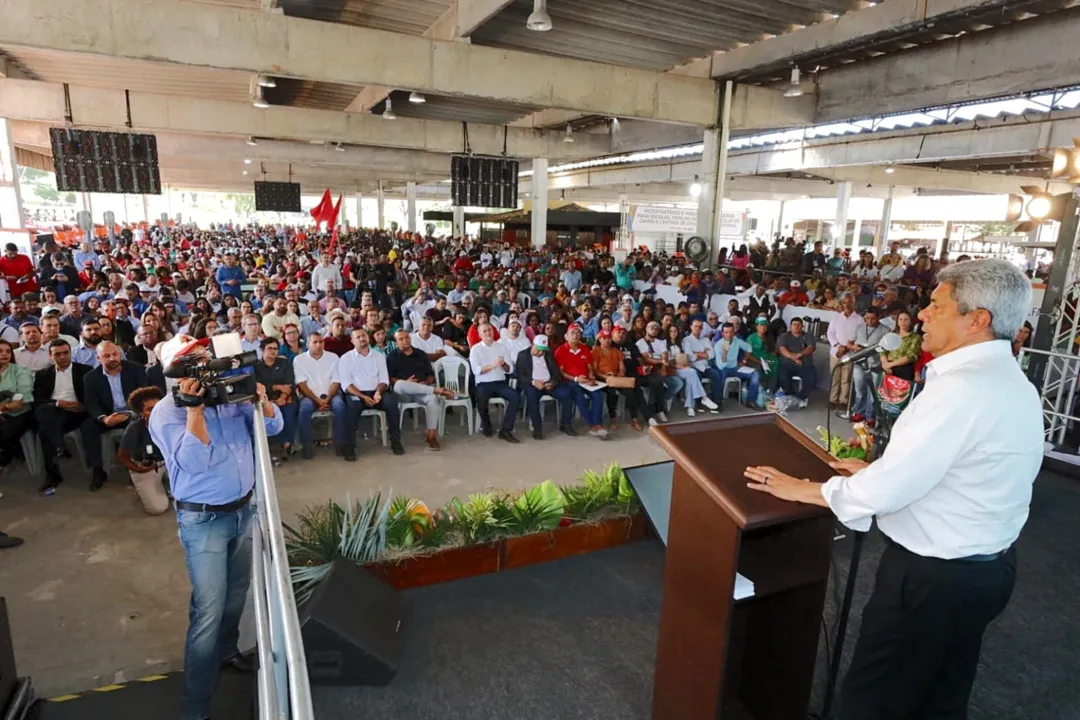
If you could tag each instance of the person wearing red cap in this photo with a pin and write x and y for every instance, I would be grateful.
(609, 362)
(576, 365)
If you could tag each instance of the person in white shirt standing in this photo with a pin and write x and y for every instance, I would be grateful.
(325, 272)
(314, 372)
(363, 375)
(841, 337)
(950, 494)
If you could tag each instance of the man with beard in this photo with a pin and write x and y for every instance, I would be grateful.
(85, 352)
(107, 387)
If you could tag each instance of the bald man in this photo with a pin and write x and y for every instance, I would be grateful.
(107, 388)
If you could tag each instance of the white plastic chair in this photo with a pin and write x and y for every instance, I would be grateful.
(32, 453)
(453, 373)
(380, 420)
(734, 380)
(404, 407)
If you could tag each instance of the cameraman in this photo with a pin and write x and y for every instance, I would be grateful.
(211, 463)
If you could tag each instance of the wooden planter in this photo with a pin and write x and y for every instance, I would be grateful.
(508, 553)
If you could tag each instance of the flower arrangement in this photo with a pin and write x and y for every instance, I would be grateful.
(370, 530)
(857, 448)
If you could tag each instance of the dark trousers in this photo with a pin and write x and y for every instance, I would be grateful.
(635, 403)
(657, 390)
(716, 382)
(806, 371)
(500, 388)
(53, 423)
(92, 430)
(354, 406)
(922, 629)
(12, 428)
(561, 392)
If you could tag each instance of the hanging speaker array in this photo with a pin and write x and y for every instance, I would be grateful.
(105, 162)
(477, 181)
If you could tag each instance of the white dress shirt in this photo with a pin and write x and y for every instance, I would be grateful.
(37, 360)
(956, 477)
(513, 346)
(321, 274)
(364, 372)
(64, 389)
(432, 345)
(541, 372)
(691, 345)
(318, 374)
(483, 354)
(842, 330)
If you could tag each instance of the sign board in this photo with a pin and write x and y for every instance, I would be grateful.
(660, 219)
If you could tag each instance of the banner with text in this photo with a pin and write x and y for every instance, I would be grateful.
(660, 219)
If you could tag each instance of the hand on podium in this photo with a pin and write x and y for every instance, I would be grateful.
(781, 485)
(849, 466)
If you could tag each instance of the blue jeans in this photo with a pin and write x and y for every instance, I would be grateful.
(217, 548)
(862, 381)
(307, 409)
(673, 384)
(288, 431)
(561, 392)
(753, 382)
(590, 403)
(716, 382)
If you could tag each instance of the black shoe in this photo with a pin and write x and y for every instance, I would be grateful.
(538, 434)
(241, 663)
(98, 480)
(308, 452)
(508, 437)
(350, 455)
(49, 486)
(397, 447)
(487, 432)
(568, 431)
(6, 541)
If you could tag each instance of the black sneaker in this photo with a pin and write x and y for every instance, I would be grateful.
(6, 541)
(99, 479)
(486, 432)
(508, 437)
(49, 486)
(398, 448)
(538, 434)
(568, 431)
(350, 455)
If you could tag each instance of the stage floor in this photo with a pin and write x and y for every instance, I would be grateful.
(576, 639)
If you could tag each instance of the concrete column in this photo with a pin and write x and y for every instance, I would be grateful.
(843, 199)
(145, 208)
(410, 206)
(459, 221)
(882, 240)
(538, 232)
(11, 207)
(817, 232)
(779, 220)
(380, 198)
(714, 169)
(359, 209)
(624, 222)
(855, 232)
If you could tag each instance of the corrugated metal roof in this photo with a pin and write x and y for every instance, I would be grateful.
(310, 94)
(135, 75)
(412, 17)
(443, 107)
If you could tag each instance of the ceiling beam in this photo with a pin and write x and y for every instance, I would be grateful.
(852, 29)
(100, 108)
(471, 14)
(1021, 57)
(205, 34)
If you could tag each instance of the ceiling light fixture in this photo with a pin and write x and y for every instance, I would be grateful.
(260, 101)
(339, 147)
(267, 81)
(569, 137)
(418, 98)
(890, 169)
(388, 111)
(695, 188)
(252, 141)
(539, 20)
(794, 88)
(245, 172)
(247, 161)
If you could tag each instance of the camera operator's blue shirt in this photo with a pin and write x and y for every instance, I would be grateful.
(216, 474)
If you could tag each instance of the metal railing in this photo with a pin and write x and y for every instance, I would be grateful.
(1057, 391)
(284, 690)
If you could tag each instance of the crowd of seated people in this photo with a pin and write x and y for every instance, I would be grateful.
(368, 324)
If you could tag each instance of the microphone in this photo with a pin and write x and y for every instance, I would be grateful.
(888, 343)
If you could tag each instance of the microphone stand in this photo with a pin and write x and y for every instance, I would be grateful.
(882, 432)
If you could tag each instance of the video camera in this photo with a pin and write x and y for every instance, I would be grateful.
(226, 375)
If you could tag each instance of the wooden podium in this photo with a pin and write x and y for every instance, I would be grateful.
(752, 658)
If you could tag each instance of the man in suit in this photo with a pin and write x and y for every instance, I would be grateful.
(107, 388)
(57, 407)
(539, 375)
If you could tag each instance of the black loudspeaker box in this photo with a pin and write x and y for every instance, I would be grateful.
(353, 628)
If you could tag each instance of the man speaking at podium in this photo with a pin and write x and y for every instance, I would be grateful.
(950, 495)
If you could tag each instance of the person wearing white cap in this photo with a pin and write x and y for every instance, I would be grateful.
(539, 375)
(211, 462)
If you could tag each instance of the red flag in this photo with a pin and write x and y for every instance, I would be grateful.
(334, 223)
(319, 211)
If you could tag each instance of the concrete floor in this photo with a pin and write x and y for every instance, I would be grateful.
(99, 592)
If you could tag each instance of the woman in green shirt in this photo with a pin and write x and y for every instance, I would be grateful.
(16, 395)
(763, 347)
(901, 361)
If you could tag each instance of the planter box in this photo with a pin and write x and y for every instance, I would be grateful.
(508, 553)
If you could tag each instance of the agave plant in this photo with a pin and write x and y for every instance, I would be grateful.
(537, 509)
(476, 519)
